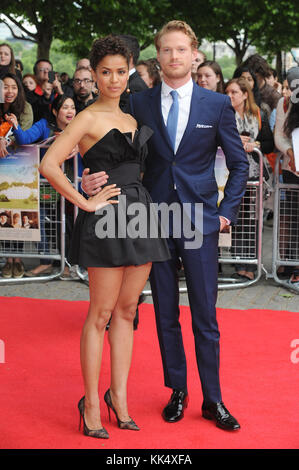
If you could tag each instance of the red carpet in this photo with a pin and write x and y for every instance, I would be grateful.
(41, 381)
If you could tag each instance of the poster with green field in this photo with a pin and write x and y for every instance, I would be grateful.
(19, 194)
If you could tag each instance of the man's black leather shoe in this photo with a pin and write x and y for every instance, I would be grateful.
(221, 415)
(174, 410)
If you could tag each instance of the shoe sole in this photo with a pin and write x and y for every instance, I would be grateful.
(173, 420)
(209, 417)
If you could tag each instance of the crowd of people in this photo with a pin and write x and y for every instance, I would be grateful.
(265, 114)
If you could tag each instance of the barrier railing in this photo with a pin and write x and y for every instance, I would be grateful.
(52, 243)
(285, 250)
(247, 234)
(246, 246)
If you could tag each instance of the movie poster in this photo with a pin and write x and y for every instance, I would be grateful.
(19, 194)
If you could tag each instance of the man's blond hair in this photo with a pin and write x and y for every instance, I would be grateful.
(176, 25)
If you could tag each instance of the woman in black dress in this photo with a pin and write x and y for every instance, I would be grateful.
(118, 266)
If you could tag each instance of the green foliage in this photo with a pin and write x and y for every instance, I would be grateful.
(270, 25)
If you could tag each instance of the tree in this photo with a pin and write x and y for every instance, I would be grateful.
(49, 18)
(102, 17)
(277, 29)
(270, 25)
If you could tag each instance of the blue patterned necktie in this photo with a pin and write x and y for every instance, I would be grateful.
(172, 120)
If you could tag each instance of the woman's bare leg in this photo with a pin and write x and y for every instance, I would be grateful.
(104, 287)
(121, 334)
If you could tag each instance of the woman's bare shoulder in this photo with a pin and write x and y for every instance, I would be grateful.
(131, 120)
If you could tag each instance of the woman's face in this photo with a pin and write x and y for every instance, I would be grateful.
(10, 90)
(66, 113)
(236, 95)
(285, 91)
(5, 55)
(249, 78)
(143, 72)
(111, 76)
(29, 83)
(207, 78)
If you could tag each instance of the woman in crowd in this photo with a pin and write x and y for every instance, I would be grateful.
(62, 113)
(15, 103)
(7, 61)
(29, 82)
(118, 267)
(254, 130)
(149, 72)
(287, 119)
(247, 73)
(209, 76)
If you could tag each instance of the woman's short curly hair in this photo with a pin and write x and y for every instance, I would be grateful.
(109, 45)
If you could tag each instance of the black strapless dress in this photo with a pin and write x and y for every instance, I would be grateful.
(119, 234)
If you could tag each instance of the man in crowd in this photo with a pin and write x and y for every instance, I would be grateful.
(82, 88)
(269, 95)
(199, 59)
(4, 220)
(135, 83)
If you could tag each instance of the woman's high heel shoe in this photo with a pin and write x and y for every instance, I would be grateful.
(131, 425)
(99, 433)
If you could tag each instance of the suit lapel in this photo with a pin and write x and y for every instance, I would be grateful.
(195, 112)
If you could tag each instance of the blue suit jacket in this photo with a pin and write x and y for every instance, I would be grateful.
(191, 170)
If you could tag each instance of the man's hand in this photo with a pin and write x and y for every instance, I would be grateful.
(292, 164)
(12, 119)
(92, 184)
(57, 85)
(73, 153)
(3, 145)
(223, 222)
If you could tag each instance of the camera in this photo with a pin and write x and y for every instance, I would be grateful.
(52, 76)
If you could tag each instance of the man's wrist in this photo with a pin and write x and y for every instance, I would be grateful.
(227, 221)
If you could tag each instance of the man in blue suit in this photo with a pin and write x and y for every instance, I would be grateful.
(189, 123)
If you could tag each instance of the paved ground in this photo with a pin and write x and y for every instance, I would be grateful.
(265, 293)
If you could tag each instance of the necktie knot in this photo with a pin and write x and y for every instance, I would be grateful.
(173, 115)
(174, 95)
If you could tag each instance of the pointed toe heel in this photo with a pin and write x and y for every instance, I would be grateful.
(97, 433)
(130, 425)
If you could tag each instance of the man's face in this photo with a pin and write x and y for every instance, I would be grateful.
(82, 84)
(42, 72)
(84, 63)
(3, 219)
(176, 55)
(197, 61)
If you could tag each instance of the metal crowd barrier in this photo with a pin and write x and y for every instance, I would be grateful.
(285, 251)
(246, 247)
(52, 244)
(246, 235)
